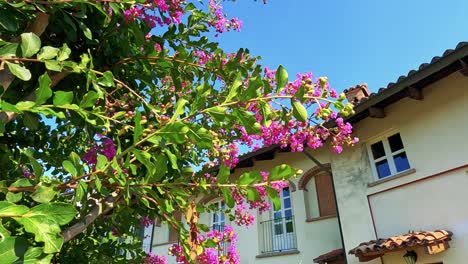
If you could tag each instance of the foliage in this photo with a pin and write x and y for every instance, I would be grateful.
(107, 107)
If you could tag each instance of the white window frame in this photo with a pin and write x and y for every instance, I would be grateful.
(221, 207)
(388, 154)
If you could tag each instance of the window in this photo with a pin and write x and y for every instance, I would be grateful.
(218, 218)
(388, 156)
(278, 233)
(318, 194)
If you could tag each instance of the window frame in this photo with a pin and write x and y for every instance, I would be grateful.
(389, 155)
(221, 205)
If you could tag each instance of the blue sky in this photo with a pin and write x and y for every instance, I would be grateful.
(350, 41)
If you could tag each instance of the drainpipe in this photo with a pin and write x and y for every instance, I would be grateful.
(152, 237)
(322, 167)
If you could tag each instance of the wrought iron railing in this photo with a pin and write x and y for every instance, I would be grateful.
(278, 235)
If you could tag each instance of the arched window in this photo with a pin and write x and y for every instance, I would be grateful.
(319, 197)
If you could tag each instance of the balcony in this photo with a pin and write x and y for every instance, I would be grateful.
(278, 236)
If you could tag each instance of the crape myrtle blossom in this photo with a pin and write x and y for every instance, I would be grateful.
(154, 259)
(106, 148)
(213, 255)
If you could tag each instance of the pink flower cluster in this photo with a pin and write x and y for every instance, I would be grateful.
(146, 221)
(176, 250)
(154, 259)
(213, 255)
(220, 22)
(294, 133)
(106, 148)
(164, 12)
(242, 214)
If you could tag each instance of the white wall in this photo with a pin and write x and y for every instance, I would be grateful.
(434, 132)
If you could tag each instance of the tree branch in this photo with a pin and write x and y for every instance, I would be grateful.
(102, 207)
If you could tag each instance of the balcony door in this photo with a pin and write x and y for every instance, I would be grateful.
(283, 226)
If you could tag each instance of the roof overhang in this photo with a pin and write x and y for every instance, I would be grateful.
(433, 241)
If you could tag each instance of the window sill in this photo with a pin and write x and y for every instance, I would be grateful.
(314, 219)
(389, 178)
(280, 253)
(165, 243)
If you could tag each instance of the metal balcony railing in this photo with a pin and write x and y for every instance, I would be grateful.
(278, 235)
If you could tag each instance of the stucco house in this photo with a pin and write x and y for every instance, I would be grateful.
(398, 196)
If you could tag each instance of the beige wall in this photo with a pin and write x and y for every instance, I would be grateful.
(434, 134)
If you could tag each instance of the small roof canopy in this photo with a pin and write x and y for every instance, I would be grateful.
(434, 241)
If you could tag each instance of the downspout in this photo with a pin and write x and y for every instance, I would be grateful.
(152, 237)
(323, 168)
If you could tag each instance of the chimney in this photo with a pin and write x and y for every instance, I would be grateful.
(355, 94)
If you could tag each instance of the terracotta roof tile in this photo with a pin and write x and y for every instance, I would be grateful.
(423, 238)
(329, 256)
(421, 67)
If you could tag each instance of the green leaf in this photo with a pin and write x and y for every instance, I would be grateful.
(53, 65)
(8, 20)
(30, 44)
(7, 250)
(218, 113)
(145, 159)
(70, 167)
(37, 167)
(265, 111)
(234, 89)
(172, 159)
(107, 79)
(160, 169)
(228, 197)
(281, 77)
(64, 52)
(43, 92)
(19, 71)
(178, 109)
(86, 30)
(101, 162)
(43, 193)
(174, 132)
(4, 233)
(47, 53)
(8, 209)
(89, 99)
(223, 175)
(62, 98)
(138, 128)
(44, 230)
(9, 107)
(9, 50)
(80, 191)
(32, 256)
(299, 111)
(31, 121)
(15, 197)
(274, 196)
(25, 105)
(250, 177)
(60, 213)
(247, 120)
(253, 194)
(201, 136)
(281, 172)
